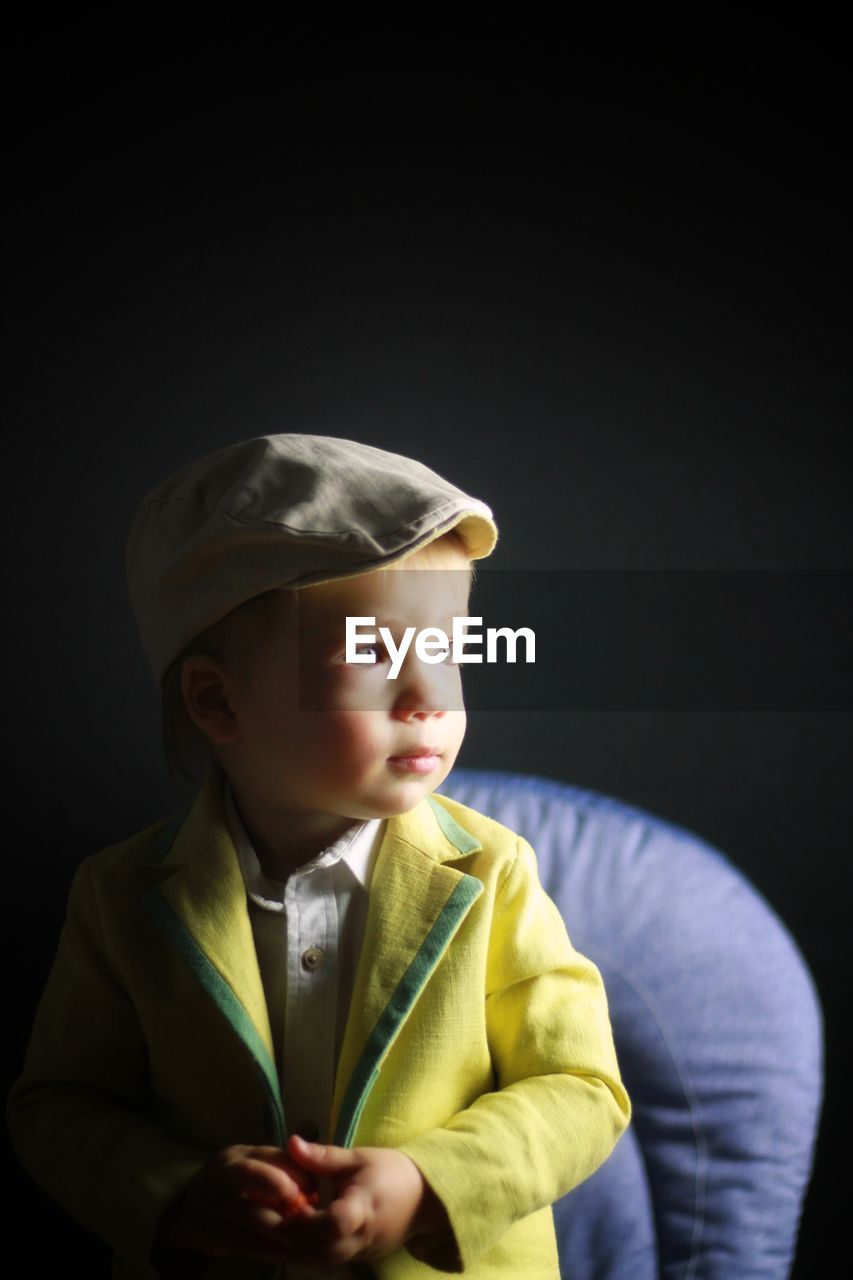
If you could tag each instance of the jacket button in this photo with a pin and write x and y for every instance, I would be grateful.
(312, 959)
(307, 1130)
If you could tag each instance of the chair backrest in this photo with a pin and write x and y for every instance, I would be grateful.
(718, 1029)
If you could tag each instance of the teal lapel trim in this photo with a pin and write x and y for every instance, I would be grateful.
(458, 836)
(399, 1006)
(167, 919)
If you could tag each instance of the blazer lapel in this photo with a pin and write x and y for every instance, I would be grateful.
(415, 907)
(201, 908)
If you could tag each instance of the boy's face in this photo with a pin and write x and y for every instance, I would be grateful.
(318, 734)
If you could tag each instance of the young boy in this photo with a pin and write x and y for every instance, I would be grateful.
(317, 945)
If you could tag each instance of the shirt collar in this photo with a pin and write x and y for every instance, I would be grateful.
(356, 848)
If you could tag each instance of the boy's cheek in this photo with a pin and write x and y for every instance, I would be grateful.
(362, 744)
(347, 741)
(336, 687)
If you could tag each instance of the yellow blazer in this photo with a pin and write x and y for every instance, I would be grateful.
(478, 1040)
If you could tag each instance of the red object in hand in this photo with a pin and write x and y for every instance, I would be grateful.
(287, 1208)
(299, 1203)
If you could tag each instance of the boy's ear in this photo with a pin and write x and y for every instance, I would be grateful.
(206, 688)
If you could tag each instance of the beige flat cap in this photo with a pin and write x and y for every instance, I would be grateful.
(275, 511)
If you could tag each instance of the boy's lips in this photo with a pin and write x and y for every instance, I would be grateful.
(421, 761)
(418, 760)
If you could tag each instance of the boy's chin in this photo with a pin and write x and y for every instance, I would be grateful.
(405, 798)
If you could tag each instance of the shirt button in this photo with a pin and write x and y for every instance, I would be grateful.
(307, 1130)
(312, 959)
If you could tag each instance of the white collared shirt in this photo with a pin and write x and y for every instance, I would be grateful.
(308, 934)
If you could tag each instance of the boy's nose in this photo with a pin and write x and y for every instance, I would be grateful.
(409, 706)
(415, 713)
(423, 689)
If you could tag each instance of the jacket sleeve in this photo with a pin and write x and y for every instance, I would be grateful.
(76, 1114)
(560, 1105)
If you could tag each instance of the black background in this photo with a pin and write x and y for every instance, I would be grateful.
(595, 274)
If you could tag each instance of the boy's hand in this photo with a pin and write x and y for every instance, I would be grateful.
(380, 1201)
(237, 1203)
